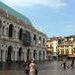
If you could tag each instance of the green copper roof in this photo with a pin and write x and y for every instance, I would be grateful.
(14, 13)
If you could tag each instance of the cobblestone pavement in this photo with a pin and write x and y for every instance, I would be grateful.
(48, 68)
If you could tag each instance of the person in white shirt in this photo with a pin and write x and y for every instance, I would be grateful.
(32, 68)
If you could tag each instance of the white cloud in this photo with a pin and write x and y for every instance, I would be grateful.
(55, 4)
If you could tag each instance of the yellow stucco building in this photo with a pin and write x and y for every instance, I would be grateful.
(61, 46)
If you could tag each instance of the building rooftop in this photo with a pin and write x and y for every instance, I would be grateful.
(22, 20)
(14, 13)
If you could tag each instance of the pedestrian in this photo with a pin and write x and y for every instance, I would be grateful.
(33, 68)
(64, 64)
(26, 67)
(72, 63)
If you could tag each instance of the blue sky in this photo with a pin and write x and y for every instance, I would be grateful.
(53, 17)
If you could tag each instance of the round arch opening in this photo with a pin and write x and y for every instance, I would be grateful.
(34, 54)
(9, 53)
(20, 54)
(11, 30)
(20, 34)
(28, 54)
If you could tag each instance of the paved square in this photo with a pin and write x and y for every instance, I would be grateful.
(48, 68)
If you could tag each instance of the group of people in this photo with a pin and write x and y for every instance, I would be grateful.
(30, 67)
(65, 64)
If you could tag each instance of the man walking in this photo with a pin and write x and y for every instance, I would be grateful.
(64, 64)
(26, 67)
(72, 63)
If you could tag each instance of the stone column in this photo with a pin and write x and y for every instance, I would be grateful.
(5, 33)
(45, 55)
(42, 55)
(15, 55)
(31, 54)
(64, 50)
(25, 57)
(22, 56)
(37, 55)
(3, 56)
(16, 34)
(32, 43)
(59, 50)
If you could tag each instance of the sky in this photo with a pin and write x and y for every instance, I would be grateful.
(53, 17)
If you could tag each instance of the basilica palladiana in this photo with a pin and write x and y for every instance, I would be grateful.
(19, 40)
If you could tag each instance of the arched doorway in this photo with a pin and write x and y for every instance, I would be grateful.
(20, 34)
(20, 54)
(11, 30)
(34, 54)
(28, 54)
(9, 53)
